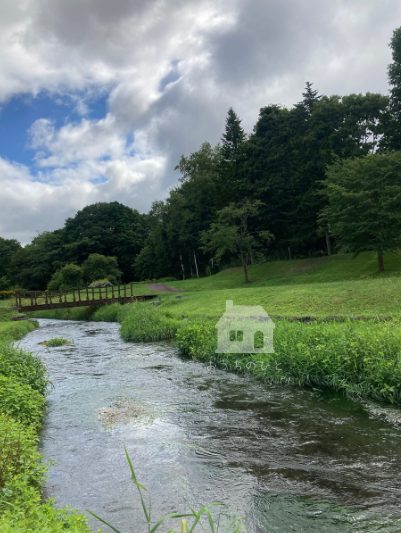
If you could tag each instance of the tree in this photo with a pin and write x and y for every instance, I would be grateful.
(310, 98)
(232, 154)
(8, 248)
(67, 277)
(111, 229)
(231, 235)
(393, 133)
(98, 266)
(364, 198)
(33, 266)
(155, 258)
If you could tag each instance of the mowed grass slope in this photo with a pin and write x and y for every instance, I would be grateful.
(337, 286)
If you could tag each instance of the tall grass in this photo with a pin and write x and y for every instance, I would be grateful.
(358, 358)
(145, 322)
(23, 383)
(71, 313)
(202, 519)
(110, 313)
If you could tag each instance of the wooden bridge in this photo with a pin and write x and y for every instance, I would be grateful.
(89, 297)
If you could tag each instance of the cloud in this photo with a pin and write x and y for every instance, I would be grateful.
(170, 70)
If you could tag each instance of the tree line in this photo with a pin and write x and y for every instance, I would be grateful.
(309, 180)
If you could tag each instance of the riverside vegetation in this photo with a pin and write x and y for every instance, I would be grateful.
(337, 322)
(23, 384)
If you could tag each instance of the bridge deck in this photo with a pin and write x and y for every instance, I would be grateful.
(39, 300)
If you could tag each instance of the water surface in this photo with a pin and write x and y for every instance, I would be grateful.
(284, 459)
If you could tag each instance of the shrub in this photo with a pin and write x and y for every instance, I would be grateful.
(26, 514)
(18, 455)
(71, 313)
(100, 283)
(67, 277)
(197, 340)
(56, 342)
(110, 313)
(21, 402)
(358, 358)
(23, 366)
(13, 331)
(145, 323)
(98, 266)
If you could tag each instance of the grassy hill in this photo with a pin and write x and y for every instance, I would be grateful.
(340, 285)
(336, 286)
(361, 358)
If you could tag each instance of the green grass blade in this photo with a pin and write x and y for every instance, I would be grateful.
(104, 522)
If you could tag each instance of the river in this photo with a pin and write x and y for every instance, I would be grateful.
(285, 459)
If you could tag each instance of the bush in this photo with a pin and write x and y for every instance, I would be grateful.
(18, 455)
(22, 384)
(56, 342)
(23, 367)
(21, 402)
(71, 313)
(98, 266)
(110, 313)
(23, 512)
(13, 331)
(100, 283)
(68, 277)
(143, 322)
(197, 340)
(358, 358)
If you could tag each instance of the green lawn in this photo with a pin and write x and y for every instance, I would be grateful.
(340, 285)
(330, 286)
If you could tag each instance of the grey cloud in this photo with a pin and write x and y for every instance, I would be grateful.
(172, 69)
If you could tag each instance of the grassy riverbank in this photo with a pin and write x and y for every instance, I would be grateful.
(353, 344)
(23, 385)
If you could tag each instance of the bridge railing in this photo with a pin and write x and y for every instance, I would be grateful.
(74, 297)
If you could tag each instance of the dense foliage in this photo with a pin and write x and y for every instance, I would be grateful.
(358, 358)
(22, 387)
(281, 166)
(364, 203)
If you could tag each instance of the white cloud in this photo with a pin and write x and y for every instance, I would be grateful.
(221, 53)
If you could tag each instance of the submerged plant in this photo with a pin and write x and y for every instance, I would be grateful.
(187, 522)
(56, 342)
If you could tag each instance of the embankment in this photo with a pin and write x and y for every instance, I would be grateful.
(23, 384)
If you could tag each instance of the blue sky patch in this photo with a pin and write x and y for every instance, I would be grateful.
(18, 114)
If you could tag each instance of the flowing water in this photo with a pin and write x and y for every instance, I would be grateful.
(284, 459)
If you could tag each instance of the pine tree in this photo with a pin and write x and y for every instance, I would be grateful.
(310, 97)
(393, 134)
(232, 151)
(233, 137)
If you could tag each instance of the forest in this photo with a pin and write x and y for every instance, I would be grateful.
(310, 180)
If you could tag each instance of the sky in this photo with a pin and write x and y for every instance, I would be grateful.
(99, 98)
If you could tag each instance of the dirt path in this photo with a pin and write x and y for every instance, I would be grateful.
(162, 287)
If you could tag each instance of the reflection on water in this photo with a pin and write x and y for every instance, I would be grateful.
(285, 459)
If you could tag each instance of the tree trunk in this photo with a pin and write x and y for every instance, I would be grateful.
(182, 267)
(328, 242)
(244, 260)
(289, 253)
(380, 259)
(196, 265)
